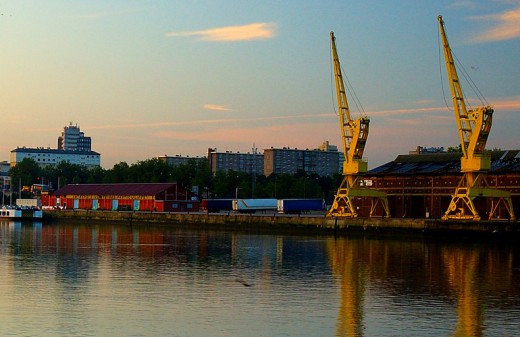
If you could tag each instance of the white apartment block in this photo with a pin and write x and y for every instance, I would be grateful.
(47, 156)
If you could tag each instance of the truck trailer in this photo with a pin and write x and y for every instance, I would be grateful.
(297, 206)
(217, 205)
(254, 205)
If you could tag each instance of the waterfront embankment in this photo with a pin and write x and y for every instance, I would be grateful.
(298, 223)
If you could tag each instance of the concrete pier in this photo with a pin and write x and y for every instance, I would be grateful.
(274, 222)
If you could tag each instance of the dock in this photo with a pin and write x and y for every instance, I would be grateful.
(274, 222)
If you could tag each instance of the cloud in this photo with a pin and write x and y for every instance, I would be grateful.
(252, 31)
(100, 15)
(424, 102)
(506, 26)
(507, 104)
(403, 111)
(216, 107)
(203, 122)
(463, 4)
(499, 104)
(264, 136)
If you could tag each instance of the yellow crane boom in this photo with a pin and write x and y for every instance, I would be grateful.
(473, 127)
(354, 134)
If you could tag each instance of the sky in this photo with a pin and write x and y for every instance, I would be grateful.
(152, 78)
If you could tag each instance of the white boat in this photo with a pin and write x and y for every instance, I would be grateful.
(20, 213)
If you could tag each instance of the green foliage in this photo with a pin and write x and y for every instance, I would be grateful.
(452, 149)
(193, 173)
(27, 172)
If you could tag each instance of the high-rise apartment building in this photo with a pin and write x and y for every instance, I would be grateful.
(178, 159)
(239, 162)
(286, 160)
(326, 146)
(72, 139)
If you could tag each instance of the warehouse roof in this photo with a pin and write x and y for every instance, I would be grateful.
(445, 163)
(114, 189)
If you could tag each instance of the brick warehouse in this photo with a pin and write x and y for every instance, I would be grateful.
(160, 197)
(420, 185)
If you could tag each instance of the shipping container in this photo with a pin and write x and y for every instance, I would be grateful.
(29, 203)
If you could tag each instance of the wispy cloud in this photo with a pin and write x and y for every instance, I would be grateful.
(502, 104)
(506, 26)
(252, 31)
(463, 4)
(403, 111)
(507, 104)
(216, 107)
(263, 135)
(204, 122)
(104, 14)
(424, 102)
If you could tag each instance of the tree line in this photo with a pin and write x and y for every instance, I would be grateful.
(194, 174)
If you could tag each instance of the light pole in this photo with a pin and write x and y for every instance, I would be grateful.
(3, 189)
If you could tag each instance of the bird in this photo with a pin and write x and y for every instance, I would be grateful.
(242, 281)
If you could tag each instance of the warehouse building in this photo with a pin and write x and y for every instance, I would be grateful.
(160, 197)
(421, 185)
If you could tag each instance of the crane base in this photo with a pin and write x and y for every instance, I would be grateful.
(471, 186)
(344, 205)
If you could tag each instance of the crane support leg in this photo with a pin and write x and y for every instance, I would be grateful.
(470, 187)
(344, 204)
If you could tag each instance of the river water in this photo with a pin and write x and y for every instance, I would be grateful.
(122, 280)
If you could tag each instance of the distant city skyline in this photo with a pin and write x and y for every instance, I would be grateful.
(174, 77)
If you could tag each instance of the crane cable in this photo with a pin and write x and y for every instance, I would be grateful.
(471, 83)
(439, 44)
(348, 86)
(465, 75)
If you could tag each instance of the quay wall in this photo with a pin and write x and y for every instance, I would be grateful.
(304, 223)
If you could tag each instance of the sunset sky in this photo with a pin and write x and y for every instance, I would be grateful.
(149, 78)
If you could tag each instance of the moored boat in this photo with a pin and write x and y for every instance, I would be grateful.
(20, 213)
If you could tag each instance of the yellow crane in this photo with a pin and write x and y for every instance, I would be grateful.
(354, 133)
(474, 126)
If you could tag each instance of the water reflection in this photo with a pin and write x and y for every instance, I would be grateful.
(471, 278)
(461, 273)
(228, 283)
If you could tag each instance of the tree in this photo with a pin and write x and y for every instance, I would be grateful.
(203, 178)
(117, 174)
(453, 149)
(195, 172)
(150, 171)
(27, 172)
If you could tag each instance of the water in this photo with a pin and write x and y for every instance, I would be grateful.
(119, 280)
